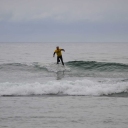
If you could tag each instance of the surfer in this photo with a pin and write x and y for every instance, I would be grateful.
(59, 54)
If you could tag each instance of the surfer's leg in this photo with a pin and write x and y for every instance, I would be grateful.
(61, 60)
(58, 60)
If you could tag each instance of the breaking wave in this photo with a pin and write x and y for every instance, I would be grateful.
(83, 87)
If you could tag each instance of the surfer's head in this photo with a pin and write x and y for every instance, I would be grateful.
(57, 47)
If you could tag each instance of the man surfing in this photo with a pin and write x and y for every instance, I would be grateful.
(59, 55)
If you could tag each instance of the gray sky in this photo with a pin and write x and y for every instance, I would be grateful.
(63, 20)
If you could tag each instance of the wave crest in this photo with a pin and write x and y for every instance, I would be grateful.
(100, 66)
(79, 88)
(84, 65)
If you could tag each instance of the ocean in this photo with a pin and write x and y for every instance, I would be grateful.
(91, 90)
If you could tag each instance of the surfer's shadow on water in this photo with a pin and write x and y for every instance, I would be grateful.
(59, 75)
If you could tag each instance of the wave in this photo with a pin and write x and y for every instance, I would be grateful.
(14, 66)
(83, 87)
(71, 69)
(98, 66)
(76, 65)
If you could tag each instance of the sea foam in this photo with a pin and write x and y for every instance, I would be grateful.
(65, 87)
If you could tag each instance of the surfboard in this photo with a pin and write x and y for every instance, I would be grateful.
(58, 67)
(53, 67)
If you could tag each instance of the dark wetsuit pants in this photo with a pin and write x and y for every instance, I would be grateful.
(60, 58)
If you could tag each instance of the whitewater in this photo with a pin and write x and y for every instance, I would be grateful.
(87, 92)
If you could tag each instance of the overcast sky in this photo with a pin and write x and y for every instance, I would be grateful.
(63, 20)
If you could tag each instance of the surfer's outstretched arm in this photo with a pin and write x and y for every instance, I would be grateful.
(62, 50)
(53, 54)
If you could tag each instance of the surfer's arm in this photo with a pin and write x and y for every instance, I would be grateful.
(53, 54)
(62, 50)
